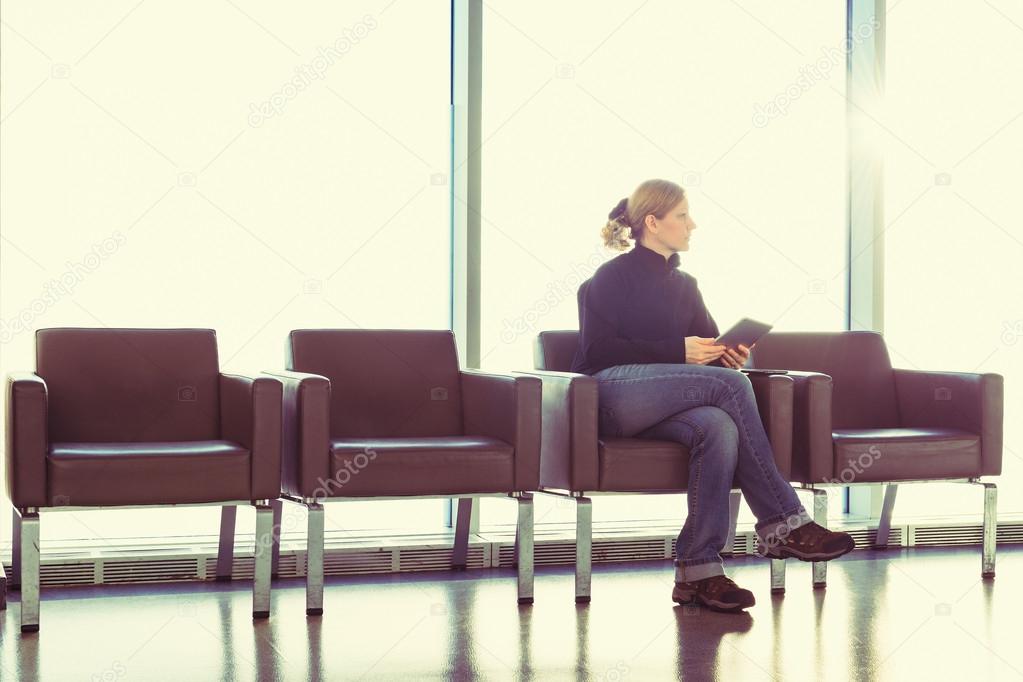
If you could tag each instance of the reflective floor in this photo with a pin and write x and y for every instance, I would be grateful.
(894, 615)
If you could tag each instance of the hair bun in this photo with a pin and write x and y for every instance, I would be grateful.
(618, 213)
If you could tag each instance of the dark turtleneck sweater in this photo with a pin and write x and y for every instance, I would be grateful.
(637, 309)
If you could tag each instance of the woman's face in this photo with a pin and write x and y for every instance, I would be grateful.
(673, 230)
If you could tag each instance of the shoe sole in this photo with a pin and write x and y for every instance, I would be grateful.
(712, 604)
(789, 553)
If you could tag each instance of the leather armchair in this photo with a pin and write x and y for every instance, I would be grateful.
(389, 414)
(137, 417)
(887, 425)
(577, 463)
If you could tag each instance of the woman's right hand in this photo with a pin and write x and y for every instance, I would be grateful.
(701, 350)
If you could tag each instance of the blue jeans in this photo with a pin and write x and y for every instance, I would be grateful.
(713, 412)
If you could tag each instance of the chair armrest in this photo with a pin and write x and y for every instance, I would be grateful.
(27, 439)
(813, 459)
(774, 394)
(568, 443)
(250, 414)
(305, 461)
(961, 400)
(507, 407)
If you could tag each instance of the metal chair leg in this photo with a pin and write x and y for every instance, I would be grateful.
(987, 566)
(734, 500)
(314, 561)
(884, 524)
(820, 516)
(583, 549)
(460, 554)
(29, 569)
(225, 548)
(524, 549)
(14, 582)
(777, 576)
(277, 506)
(262, 560)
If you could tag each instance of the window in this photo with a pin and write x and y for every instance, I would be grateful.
(753, 127)
(954, 143)
(275, 170)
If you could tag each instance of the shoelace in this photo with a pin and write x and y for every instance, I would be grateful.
(812, 532)
(721, 583)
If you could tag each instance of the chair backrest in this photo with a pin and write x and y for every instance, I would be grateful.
(863, 386)
(385, 383)
(130, 385)
(555, 350)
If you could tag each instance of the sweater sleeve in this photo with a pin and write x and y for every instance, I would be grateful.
(600, 341)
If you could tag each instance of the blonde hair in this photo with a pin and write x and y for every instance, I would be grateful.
(627, 219)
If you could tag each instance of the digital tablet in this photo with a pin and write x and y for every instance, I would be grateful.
(745, 331)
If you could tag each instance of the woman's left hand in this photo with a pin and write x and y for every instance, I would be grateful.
(735, 357)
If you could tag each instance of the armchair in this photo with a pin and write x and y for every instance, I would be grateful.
(388, 414)
(136, 417)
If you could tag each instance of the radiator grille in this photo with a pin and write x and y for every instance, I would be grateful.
(487, 550)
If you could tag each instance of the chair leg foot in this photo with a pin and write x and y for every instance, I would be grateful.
(524, 548)
(777, 576)
(734, 502)
(463, 518)
(14, 580)
(225, 546)
(987, 557)
(262, 561)
(820, 516)
(275, 558)
(583, 549)
(3, 589)
(990, 530)
(314, 561)
(885, 522)
(29, 569)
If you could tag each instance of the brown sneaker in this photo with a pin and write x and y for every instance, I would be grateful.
(809, 542)
(717, 592)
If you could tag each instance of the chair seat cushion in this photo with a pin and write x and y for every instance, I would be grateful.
(642, 464)
(904, 454)
(97, 474)
(428, 465)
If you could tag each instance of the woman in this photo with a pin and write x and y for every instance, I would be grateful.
(648, 339)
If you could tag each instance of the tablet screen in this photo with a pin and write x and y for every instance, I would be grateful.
(746, 332)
